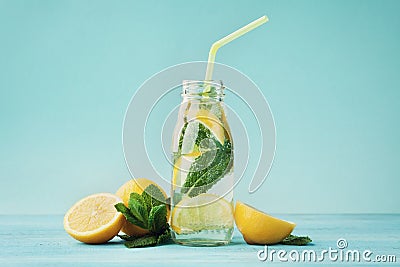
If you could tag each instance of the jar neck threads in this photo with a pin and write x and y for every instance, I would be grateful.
(203, 90)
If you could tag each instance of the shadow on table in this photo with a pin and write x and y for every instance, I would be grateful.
(110, 243)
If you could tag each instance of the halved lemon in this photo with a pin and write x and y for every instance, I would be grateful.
(94, 219)
(260, 228)
(203, 212)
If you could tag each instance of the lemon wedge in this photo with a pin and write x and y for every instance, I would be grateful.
(260, 228)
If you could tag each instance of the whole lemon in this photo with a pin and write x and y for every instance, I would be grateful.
(136, 185)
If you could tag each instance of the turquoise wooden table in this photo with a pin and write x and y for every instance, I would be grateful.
(41, 241)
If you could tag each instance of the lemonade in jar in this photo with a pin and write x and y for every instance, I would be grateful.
(202, 176)
(202, 155)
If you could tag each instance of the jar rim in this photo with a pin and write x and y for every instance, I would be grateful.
(200, 89)
(187, 83)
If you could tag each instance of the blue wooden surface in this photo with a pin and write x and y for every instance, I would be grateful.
(41, 241)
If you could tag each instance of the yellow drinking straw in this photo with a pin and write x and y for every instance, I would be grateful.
(227, 39)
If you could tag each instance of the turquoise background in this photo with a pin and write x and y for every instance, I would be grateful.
(329, 69)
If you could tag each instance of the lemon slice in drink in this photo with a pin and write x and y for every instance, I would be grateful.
(181, 168)
(189, 137)
(203, 212)
(209, 120)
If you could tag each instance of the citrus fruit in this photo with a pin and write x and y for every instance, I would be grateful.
(260, 228)
(94, 219)
(137, 185)
(181, 168)
(190, 135)
(203, 212)
(209, 120)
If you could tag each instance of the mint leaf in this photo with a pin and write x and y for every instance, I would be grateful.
(146, 241)
(296, 240)
(161, 239)
(139, 210)
(158, 219)
(203, 133)
(164, 237)
(182, 135)
(203, 174)
(139, 242)
(153, 196)
(127, 213)
(126, 237)
(138, 198)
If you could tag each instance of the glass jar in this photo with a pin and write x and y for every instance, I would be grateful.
(202, 176)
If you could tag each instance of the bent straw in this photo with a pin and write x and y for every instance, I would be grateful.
(227, 39)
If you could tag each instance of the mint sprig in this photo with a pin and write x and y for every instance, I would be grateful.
(147, 211)
(296, 240)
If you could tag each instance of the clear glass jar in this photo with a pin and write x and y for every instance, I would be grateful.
(202, 177)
